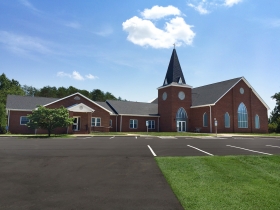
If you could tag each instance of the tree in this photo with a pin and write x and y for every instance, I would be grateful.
(3, 121)
(274, 119)
(29, 90)
(49, 119)
(97, 95)
(7, 87)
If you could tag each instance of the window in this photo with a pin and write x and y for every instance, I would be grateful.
(205, 120)
(24, 120)
(227, 120)
(110, 123)
(151, 124)
(257, 122)
(242, 116)
(133, 124)
(180, 80)
(95, 121)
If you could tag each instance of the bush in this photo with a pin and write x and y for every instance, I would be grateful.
(272, 127)
(3, 130)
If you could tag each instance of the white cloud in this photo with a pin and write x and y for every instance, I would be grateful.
(90, 76)
(74, 25)
(76, 75)
(157, 12)
(20, 44)
(105, 31)
(206, 6)
(144, 32)
(199, 8)
(28, 5)
(230, 3)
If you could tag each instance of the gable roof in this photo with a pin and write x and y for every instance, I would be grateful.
(16, 102)
(81, 96)
(106, 106)
(210, 94)
(133, 108)
(174, 71)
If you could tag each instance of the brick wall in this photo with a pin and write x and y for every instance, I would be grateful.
(229, 103)
(168, 108)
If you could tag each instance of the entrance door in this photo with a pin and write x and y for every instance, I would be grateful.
(181, 126)
(76, 124)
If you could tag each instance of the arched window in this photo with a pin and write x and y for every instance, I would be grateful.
(205, 120)
(227, 120)
(257, 122)
(181, 114)
(242, 116)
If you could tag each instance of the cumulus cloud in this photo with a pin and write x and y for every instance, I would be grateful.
(230, 3)
(157, 12)
(75, 75)
(144, 32)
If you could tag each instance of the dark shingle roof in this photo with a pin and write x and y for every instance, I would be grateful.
(209, 94)
(174, 71)
(106, 106)
(26, 102)
(134, 108)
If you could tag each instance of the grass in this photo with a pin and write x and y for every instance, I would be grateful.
(151, 133)
(229, 182)
(41, 136)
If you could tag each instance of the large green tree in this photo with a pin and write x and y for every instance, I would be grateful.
(3, 120)
(274, 119)
(49, 119)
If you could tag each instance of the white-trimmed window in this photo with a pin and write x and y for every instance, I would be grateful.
(257, 122)
(242, 116)
(133, 124)
(227, 120)
(110, 123)
(24, 120)
(151, 124)
(95, 121)
(205, 120)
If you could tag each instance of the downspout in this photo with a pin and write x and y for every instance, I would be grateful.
(8, 120)
(158, 123)
(121, 124)
(210, 119)
(116, 123)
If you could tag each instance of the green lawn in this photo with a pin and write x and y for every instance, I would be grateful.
(228, 182)
(152, 133)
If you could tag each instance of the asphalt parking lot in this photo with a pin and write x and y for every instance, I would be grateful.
(104, 172)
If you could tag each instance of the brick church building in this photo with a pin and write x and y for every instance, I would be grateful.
(234, 104)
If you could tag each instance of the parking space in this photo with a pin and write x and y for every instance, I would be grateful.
(105, 172)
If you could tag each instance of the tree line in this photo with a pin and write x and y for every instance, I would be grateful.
(13, 87)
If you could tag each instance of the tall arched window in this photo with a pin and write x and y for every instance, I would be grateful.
(181, 114)
(242, 116)
(257, 122)
(227, 120)
(205, 120)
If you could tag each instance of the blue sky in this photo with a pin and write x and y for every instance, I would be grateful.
(124, 47)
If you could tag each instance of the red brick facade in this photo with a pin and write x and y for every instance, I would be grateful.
(167, 110)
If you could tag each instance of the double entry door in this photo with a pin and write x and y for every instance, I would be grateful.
(76, 124)
(181, 126)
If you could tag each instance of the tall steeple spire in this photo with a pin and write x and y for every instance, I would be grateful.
(174, 72)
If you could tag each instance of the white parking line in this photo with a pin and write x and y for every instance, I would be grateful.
(112, 137)
(272, 146)
(87, 137)
(154, 154)
(167, 137)
(249, 150)
(200, 150)
(136, 137)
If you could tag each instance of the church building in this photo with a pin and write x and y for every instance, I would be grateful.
(233, 105)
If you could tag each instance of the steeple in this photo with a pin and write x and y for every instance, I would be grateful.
(174, 72)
